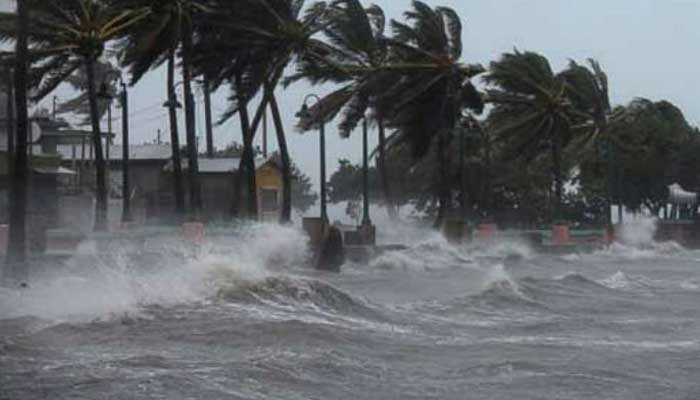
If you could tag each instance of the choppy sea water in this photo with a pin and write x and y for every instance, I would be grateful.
(245, 319)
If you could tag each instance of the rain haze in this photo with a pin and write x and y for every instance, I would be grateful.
(547, 248)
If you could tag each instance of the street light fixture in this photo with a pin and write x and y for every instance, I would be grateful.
(305, 113)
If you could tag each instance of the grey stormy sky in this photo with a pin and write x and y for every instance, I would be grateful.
(649, 48)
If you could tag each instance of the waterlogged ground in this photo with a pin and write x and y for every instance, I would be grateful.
(246, 320)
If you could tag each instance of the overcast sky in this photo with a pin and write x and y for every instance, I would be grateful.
(649, 48)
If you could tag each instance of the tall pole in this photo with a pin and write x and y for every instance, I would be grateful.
(365, 176)
(53, 108)
(264, 138)
(324, 213)
(126, 187)
(462, 185)
(108, 141)
(16, 252)
(207, 118)
(10, 111)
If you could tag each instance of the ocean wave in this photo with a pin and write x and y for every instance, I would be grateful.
(94, 284)
(295, 292)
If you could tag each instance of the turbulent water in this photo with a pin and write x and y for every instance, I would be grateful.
(246, 319)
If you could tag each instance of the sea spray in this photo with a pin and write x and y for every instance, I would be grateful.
(95, 283)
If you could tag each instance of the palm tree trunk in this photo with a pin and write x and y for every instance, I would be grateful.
(193, 170)
(10, 112)
(443, 184)
(247, 165)
(16, 253)
(100, 167)
(178, 190)
(207, 117)
(286, 215)
(383, 173)
(558, 184)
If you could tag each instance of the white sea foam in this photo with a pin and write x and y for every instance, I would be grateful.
(94, 285)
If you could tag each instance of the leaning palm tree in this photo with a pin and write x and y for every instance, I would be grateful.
(67, 35)
(587, 88)
(430, 88)
(168, 27)
(532, 110)
(105, 74)
(249, 43)
(357, 48)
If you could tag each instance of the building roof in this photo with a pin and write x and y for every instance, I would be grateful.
(141, 152)
(218, 165)
(49, 170)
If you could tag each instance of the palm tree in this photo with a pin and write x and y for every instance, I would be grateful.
(430, 88)
(262, 37)
(359, 47)
(532, 110)
(169, 26)
(588, 90)
(16, 253)
(105, 73)
(65, 35)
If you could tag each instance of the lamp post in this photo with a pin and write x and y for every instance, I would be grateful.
(305, 114)
(126, 187)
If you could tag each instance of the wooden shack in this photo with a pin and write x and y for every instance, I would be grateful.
(219, 178)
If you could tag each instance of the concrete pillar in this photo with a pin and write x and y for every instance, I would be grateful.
(486, 232)
(331, 254)
(313, 226)
(4, 235)
(609, 235)
(368, 234)
(193, 232)
(456, 231)
(560, 234)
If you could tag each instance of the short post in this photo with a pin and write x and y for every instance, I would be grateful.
(486, 232)
(193, 232)
(560, 234)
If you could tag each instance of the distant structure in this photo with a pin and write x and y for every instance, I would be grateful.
(683, 203)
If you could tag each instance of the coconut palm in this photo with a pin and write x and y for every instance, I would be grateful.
(358, 47)
(588, 91)
(532, 110)
(168, 27)
(249, 43)
(105, 74)
(66, 35)
(430, 88)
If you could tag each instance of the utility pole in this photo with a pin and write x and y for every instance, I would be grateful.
(207, 119)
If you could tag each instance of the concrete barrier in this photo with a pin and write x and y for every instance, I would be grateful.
(63, 241)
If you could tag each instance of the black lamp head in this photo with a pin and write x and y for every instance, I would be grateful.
(304, 112)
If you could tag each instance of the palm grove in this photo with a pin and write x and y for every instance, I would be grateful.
(407, 79)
